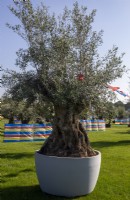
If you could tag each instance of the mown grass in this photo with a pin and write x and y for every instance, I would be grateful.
(19, 181)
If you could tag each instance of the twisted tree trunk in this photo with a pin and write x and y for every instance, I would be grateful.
(68, 139)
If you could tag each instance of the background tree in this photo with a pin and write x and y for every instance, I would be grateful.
(66, 70)
(109, 113)
(11, 109)
(23, 111)
(7, 106)
(121, 113)
(127, 105)
(119, 104)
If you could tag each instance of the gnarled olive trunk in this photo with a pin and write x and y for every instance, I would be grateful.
(68, 138)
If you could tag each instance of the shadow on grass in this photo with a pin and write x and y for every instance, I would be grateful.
(124, 132)
(16, 174)
(1, 131)
(102, 144)
(119, 131)
(28, 193)
(16, 155)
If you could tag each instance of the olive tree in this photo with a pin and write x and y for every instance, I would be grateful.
(61, 64)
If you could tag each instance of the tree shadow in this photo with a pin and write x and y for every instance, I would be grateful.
(1, 132)
(124, 132)
(102, 144)
(11, 175)
(16, 155)
(28, 193)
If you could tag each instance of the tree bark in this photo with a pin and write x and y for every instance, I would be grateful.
(68, 139)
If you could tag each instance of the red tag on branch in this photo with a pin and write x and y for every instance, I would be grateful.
(80, 77)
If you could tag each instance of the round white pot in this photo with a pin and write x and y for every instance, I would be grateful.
(67, 176)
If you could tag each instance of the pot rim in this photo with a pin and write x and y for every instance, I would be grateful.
(98, 154)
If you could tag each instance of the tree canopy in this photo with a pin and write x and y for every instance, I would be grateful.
(61, 50)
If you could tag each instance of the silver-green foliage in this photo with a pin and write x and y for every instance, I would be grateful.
(58, 50)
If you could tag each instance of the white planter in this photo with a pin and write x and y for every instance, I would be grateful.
(67, 176)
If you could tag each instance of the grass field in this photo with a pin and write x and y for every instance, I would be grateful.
(19, 181)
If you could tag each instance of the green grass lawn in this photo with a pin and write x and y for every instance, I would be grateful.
(19, 181)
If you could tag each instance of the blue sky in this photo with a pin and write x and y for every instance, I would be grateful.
(113, 17)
